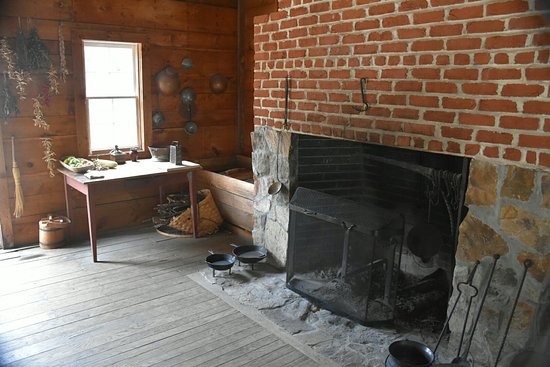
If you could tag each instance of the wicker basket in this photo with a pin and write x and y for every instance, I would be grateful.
(210, 218)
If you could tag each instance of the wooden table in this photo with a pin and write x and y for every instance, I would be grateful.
(155, 173)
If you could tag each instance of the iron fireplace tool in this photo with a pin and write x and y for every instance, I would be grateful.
(526, 265)
(463, 359)
(466, 318)
(473, 294)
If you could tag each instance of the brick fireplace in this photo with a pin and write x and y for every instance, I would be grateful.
(463, 78)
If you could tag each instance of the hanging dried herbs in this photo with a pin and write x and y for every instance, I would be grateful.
(21, 48)
(49, 155)
(63, 72)
(8, 102)
(39, 119)
(53, 81)
(38, 55)
(7, 54)
(21, 77)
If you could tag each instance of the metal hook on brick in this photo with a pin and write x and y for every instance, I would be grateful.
(365, 106)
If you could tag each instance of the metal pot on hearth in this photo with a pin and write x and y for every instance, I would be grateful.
(409, 353)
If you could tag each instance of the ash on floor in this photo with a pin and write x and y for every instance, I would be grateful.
(344, 341)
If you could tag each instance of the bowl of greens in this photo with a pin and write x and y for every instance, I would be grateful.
(75, 164)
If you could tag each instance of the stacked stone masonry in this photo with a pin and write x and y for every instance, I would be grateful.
(508, 215)
(461, 77)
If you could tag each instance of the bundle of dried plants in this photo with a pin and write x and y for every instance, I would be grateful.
(9, 107)
(38, 55)
(49, 155)
(63, 71)
(21, 48)
(39, 119)
(22, 78)
(53, 81)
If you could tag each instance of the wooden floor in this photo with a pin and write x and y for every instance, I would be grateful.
(136, 307)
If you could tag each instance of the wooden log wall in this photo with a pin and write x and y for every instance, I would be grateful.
(248, 9)
(205, 31)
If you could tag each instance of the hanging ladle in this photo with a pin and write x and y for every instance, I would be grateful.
(277, 185)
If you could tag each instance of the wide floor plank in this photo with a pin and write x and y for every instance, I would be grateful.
(136, 307)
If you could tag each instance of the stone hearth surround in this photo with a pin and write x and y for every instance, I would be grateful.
(509, 214)
(449, 76)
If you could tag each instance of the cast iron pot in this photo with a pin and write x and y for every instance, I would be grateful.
(409, 353)
(220, 262)
(249, 254)
(424, 241)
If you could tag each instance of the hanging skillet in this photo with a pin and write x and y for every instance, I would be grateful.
(190, 126)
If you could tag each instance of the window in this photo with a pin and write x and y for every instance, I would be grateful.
(112, 91)
(113, 101)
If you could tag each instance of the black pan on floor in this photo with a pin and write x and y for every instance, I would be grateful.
(249, 254)
(220, 262)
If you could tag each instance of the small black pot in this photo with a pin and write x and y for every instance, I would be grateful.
(409, 353)
(220, 262)
(249, 254)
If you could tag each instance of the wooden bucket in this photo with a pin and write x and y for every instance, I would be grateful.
(52, 231)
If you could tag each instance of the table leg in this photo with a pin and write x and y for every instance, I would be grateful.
(195, 215)
(90, 205)
(161, 194)
(68, 204)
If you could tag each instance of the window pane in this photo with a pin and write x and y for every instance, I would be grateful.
(113, 121)
(110, 69)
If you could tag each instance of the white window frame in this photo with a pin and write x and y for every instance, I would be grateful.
(144, 119)
(136, 96)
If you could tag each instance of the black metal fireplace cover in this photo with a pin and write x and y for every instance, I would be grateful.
(344, 255)
(340, 211)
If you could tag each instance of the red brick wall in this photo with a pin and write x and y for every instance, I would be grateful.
(464, 77)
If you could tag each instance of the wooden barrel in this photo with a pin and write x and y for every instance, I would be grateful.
(52, 232)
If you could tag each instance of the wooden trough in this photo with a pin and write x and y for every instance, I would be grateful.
(234, 196)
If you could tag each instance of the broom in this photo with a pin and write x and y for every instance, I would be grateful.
(17, 180)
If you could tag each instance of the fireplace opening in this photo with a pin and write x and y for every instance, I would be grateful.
(345, 256)
(373, 229)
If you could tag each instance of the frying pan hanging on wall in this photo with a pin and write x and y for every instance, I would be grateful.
(218, 83)
(187, 107)
(168, 81)
(187, 63)
(188, 95)
(158, 119)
